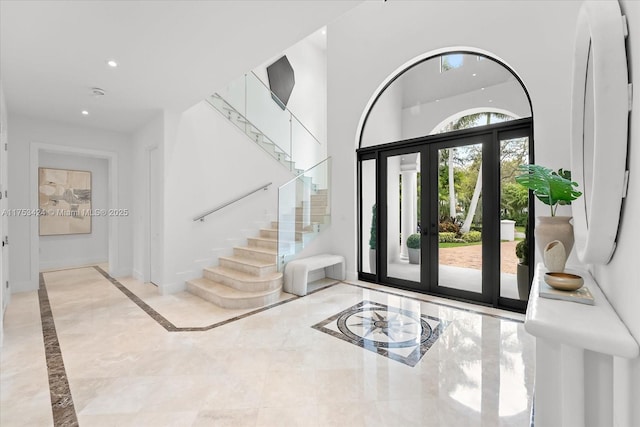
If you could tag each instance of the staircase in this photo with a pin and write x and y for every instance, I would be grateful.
(250, 277)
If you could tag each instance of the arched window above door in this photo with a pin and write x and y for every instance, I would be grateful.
(428, 95)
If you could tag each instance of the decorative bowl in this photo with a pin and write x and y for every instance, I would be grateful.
(564, 281)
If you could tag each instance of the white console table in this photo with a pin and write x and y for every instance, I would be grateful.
(563, 331)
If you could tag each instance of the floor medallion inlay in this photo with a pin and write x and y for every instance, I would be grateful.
(396, 333)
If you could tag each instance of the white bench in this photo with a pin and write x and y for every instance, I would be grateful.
(296, 272)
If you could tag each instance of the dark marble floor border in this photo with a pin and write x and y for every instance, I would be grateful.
(169, 326)
(64, 412)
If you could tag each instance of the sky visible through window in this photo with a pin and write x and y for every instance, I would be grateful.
(448, 62)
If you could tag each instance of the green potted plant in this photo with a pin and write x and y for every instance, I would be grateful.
(373, 240)
(413, 246)
(522, 252)
(553, 189)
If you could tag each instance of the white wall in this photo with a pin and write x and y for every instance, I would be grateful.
(385, 121)
(308, 100)
(4, 265)
(25, 132)
(208, 162)
(79, 249)
(618, 279)
(149, 136)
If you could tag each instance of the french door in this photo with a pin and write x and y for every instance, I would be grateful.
(431, 212)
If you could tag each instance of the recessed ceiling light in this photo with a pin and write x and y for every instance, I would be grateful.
(437, 100)
(481, 88)
(491, 100)
(474, 74)
(85, 113)
(111, 63)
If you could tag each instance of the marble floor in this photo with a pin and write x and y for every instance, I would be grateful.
(119, 364)
(466, 279)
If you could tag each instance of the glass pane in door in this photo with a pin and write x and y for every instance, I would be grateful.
(369, 241)
(403, 217)
(460, 218)
(514, 203)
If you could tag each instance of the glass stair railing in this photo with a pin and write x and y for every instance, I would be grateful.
(303, 203)
(304, 210)
(249, 104)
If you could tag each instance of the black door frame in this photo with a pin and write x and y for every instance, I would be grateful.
(491, 200)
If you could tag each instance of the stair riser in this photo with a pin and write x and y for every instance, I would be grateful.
(258, 256)
(273, 234)
(253, 286)
(320, 199)
(262, 244)
(234, 303)
(319, 219)
(313, 211)
(270, 234)
(299, 226)
(246, 268)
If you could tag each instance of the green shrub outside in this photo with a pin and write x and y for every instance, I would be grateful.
(472, 236)
(447, 237)
(522, 252)
(413, 242)
(519, 218)
(448, 227)
(373, 240)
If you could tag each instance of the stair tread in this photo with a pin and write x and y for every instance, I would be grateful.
(227, 291)
(264, 239)
(242, 276)
(248, 261)
(257, 249)
(297, 222)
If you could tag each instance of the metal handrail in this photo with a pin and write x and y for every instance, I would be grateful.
(248, 121)
(224, 205)
(286, 108)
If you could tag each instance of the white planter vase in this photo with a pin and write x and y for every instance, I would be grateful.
(550, 228)
(414, 256)
(523, 281)
(372, 260)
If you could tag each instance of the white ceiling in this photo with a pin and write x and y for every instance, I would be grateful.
(424, 83)
(171, 54)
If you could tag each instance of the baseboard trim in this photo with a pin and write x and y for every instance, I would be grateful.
(352, 276)
(138, 276)
(172, 288)
(25, 286)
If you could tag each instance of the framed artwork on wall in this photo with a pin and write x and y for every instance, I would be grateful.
(64, 201)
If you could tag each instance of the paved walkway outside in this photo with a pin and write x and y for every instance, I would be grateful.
(471, 257)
